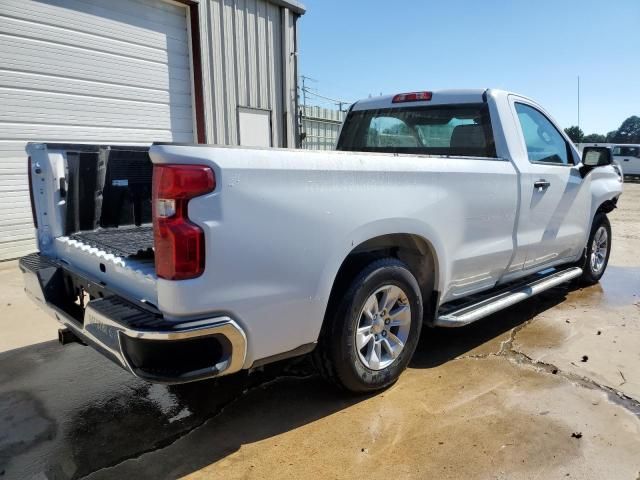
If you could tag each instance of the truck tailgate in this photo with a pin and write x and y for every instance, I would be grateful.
(92, 206)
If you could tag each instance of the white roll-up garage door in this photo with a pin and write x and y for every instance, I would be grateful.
(86, 71)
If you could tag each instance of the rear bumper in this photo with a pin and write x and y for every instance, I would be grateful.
(135, 336)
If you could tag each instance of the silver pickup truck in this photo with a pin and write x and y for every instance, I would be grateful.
(185, 262)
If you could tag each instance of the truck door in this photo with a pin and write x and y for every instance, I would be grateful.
(555, 200)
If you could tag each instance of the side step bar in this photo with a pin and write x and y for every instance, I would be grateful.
(470, 313)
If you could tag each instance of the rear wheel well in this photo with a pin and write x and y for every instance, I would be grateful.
(411, 249)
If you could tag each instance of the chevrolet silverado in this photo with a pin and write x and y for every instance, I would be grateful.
(185, 262)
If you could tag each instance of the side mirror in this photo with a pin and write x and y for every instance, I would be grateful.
(596, 156)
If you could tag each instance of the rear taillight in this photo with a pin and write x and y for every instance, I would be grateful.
(178, 243)
(31, 198)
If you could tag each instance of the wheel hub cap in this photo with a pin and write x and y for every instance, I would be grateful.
(599, 250)
(383, 327)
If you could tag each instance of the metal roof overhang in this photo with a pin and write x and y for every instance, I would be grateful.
(293, 5)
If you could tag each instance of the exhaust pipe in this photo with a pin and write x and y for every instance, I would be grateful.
(66, 336)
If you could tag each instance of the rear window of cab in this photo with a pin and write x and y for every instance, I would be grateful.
(450, 130)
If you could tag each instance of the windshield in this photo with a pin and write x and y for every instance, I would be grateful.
(626, 151)
(461, 130)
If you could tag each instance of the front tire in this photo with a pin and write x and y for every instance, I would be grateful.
(597, 251)
(375, 329)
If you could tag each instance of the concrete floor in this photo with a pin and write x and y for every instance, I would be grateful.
(546, 389)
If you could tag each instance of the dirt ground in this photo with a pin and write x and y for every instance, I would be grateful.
(547, 389)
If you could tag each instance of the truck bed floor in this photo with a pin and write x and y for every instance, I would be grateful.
(122, 242)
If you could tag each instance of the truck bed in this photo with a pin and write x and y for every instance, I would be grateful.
(124, 242)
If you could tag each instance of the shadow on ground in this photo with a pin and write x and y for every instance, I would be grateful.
(440, 345)
(69, 412)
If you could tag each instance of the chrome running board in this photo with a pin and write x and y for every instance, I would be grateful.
(470, 313)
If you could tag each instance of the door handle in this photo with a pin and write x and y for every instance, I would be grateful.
(541, 184)
(626, 159)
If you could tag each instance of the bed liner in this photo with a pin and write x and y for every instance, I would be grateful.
(124, 242)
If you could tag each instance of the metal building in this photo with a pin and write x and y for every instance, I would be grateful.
(320, 127)
(138, 71)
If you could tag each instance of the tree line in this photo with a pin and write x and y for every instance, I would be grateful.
(629, 132)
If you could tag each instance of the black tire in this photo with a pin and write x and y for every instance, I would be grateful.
(590, 274)
(337, 355)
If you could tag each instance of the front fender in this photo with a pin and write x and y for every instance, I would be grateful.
(606, 186)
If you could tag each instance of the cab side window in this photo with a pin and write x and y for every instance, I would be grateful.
(544, 143)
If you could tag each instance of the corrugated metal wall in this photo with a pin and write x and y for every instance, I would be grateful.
(320, 127)
(248, 61)
(81, 56)
(85, 71)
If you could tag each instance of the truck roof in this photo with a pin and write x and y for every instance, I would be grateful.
(439, 97)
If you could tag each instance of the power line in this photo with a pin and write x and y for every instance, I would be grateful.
(305, 90)
(335, 101)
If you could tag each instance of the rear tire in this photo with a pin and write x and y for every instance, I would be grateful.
(597, 252)
(375, 329)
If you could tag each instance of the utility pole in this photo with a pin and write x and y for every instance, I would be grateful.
(303, 113)
(304, 90)
(578, 101)
(304, 93)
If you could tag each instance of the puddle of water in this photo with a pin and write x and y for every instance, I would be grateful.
(620, 286)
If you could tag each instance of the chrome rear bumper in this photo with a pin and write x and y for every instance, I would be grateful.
(136, 337)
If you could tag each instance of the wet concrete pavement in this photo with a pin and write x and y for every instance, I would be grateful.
(508, 397)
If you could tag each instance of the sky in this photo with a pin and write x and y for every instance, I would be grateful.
(538, 48)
